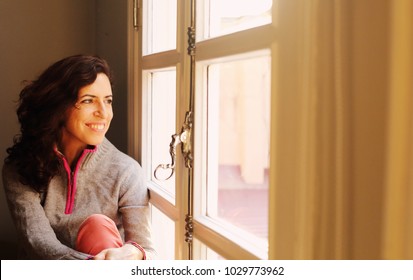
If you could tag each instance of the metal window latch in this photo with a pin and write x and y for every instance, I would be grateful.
(183, 138)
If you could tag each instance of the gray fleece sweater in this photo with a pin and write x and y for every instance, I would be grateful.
(106, 181)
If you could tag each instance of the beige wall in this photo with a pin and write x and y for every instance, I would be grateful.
(34, 34)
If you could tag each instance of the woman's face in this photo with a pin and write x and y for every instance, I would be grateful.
(88, 122)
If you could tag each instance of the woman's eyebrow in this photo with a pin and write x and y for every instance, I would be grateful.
(94, 96)
(88, 95)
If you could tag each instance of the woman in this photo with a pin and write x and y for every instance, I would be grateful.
(71, 193)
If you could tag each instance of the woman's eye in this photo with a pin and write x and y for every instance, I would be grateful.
(109, 101)
(87, 101)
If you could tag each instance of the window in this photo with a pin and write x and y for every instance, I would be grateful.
(218, 94)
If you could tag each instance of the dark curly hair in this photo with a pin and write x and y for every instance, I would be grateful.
(41, 113)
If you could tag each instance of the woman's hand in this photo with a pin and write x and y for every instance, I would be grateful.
(126, 252)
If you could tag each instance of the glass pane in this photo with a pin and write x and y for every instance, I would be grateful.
(220, 17)
(164, 243)
(203, 252)
(163, 111)
(238, 143)
(159, 23)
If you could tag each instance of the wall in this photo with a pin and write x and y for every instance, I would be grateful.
(111, 43)
(33, 36)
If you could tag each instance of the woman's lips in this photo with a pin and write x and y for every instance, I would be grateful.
(96, 126)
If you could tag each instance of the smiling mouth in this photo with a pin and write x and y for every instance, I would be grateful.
(97, 127)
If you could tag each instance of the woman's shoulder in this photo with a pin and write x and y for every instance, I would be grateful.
(115, 156)
(119, 163)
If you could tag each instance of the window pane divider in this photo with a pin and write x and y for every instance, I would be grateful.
(159, 198)
(161, 60)
(236, 43)
(229, 245)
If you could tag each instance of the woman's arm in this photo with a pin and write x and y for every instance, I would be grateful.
(33, 227)
(134, 208)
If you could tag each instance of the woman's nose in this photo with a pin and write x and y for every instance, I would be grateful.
(101, 110)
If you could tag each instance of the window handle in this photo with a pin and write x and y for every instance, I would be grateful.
(183, 138)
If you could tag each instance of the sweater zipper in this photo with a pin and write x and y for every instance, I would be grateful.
(71, 184)
(71, 190)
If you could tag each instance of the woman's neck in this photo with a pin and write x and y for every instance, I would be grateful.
(72, 157)
(71, 151)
